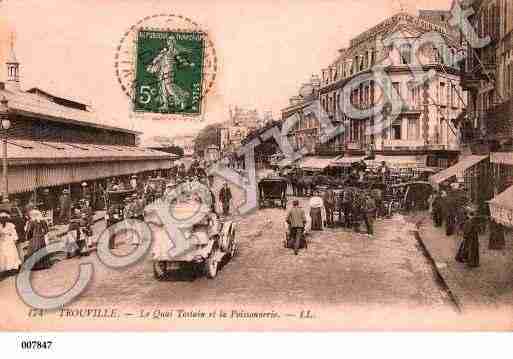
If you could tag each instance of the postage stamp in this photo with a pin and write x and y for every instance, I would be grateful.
(169, 72)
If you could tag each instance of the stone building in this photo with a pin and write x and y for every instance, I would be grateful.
(423, 131)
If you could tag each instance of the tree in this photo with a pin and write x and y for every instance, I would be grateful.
(208, 136)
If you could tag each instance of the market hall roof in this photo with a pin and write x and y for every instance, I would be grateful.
(47, 107)
(24, 152)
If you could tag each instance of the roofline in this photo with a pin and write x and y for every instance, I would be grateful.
(74, 122)
(55, 96)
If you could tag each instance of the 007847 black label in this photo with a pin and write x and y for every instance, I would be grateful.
(36, 344)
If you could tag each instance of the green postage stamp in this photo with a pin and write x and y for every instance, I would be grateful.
(169, 72)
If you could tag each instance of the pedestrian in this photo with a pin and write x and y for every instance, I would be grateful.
(384, 172)
(468, 251)
(316, 213)
(450, 215)
(496, 239)
(296, 220)
(347, 207)
(437, 210)
(369, 213)
(36, 232)
(9, 256)
(225, 197)
(65, 207)
(329, 206)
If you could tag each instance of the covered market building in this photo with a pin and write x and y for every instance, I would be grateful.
(56, 143)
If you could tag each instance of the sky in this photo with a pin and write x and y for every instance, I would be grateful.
(266, 49)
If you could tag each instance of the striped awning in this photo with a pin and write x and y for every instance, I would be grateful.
(501, 208)
(25, 152)
(35, 164)
(458, 170)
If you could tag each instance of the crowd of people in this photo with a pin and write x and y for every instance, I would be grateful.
(363, 196)
(450, 209)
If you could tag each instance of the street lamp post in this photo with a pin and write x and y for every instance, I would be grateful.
(5, 124)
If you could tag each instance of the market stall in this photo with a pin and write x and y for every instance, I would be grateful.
(501, 208)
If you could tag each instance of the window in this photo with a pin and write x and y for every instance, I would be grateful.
(443, 95)
(397, 88)
(396, 130)
(405, 51)
(453, 95)
(413, 129)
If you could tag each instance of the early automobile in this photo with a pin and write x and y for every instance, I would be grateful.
(272, 189)
(208, 243)
(115, 205)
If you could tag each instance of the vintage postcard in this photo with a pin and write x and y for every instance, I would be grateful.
(309, 165)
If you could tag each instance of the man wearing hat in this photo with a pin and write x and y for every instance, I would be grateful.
(296, 220)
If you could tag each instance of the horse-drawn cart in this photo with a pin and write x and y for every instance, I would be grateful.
(271, 190)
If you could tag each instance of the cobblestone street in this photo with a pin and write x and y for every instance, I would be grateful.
(339, 269)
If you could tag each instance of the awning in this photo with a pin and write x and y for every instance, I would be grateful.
(315, 163)
(398, 161)
(346, 161)
(503, 158)
(25, 152)
(457, 170)
(501, 207)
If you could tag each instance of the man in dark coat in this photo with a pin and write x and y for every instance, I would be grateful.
(450, 214)
(225, 197)
(468, 251)
(437, 210)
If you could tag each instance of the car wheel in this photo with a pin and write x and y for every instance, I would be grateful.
(211, 264)
(160, 270)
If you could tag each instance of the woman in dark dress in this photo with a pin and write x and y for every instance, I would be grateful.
(468, 251)
(496, 240)
(36, 232)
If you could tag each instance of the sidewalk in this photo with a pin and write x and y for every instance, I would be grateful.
(490, 286)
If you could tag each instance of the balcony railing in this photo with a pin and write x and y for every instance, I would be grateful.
(403, 144)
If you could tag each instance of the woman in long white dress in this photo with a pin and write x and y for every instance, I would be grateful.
(9, 257)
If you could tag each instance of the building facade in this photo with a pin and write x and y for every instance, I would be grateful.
(425, 125)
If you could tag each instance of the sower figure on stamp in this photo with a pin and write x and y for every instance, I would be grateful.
(225, 197)
(163, 65)
(296, 219)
